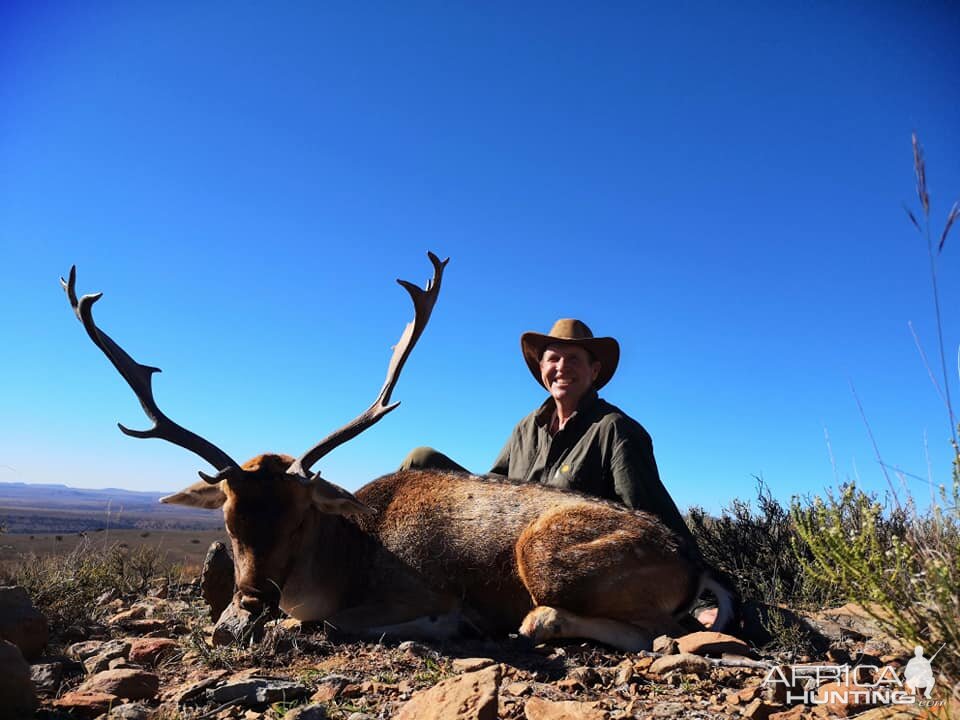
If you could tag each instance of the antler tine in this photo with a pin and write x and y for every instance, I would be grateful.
(423, 302)
(139, 378)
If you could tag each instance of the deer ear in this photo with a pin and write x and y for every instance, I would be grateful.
(332, 499)
(199, 495)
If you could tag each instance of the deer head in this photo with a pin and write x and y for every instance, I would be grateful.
(265, 501)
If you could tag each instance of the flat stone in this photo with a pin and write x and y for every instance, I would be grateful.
(108, 651)
(541, 709)
(668, 709)
(137, 612)
(471, 696)
(16, 687)
(128, 711)
(462, 665)
(21, 623)
(684, 662)
(83, 650)
(307, 712)
(794, 713)
(194, 690)
(832, 698)
(127, 684)
(87, 704)
(257, 691)
(146, 626)
(712, 643)
(517, 689)
(149, 651)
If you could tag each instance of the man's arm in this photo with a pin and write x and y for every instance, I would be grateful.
(501, 466)
(637, 481)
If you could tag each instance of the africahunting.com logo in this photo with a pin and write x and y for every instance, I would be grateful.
(860, 684)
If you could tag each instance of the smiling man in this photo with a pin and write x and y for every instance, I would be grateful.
(576, 440)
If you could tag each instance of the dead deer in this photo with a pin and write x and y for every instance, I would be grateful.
(423, 553)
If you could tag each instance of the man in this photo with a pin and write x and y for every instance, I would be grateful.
(575, 440)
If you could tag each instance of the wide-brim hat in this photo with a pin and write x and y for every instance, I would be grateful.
(568, 331)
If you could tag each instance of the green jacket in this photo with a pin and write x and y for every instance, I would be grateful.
(600, 451)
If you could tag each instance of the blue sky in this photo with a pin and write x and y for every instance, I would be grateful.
(719, 186)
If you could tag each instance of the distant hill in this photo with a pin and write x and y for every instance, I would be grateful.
(36, 508)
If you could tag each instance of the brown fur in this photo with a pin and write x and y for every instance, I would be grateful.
(438, 541)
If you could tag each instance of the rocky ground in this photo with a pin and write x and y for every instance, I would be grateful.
(154, 657)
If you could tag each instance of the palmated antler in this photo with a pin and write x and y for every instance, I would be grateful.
(423, 301)
(139, 378)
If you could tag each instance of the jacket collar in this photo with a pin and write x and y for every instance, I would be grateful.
(545, 414)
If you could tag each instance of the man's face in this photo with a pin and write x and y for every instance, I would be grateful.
(568, 372)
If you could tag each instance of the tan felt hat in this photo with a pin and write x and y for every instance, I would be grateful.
(568, 331)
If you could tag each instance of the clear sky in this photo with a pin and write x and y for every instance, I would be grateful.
(717, 185)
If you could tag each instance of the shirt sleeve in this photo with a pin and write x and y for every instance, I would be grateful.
(501, 466)
(637, 482)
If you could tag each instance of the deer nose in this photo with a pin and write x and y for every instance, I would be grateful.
(256, 601)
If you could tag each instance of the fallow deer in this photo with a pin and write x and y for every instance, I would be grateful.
(427, 553)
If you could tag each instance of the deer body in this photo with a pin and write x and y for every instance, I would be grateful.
(422, 553)
(441, 551)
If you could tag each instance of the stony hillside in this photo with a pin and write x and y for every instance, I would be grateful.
(156, 655)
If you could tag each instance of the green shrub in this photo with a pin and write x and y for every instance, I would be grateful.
(758, 550)
(65, 587)
(904, 571)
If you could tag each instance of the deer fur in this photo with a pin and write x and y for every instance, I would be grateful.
(422, 553)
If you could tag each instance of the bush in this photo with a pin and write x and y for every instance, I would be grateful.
(902, 567)
(65, 587)
(758, 550)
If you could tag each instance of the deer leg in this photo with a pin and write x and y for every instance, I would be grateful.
(591, 575)
(546, 623)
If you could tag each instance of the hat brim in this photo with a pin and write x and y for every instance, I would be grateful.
(605, 350)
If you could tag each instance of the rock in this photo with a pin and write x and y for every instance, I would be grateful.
(329, 687)
(108, 651)
(756, 710)
(834, 697)
(743, 697)
(82, 650)
(21, 623)
(712, 643)
(462, 665)
(541, 709)
(684, 662)
(669, 709)
(471, 696)
(307, 712)
(16, 687)
(414, 648)
(517, 689)
(128, 711)
(194, 689)
(145, 626)
(148, 651)
(216, 580)
(257, 691)
(794, 713)
(624, 673)
(137, 612)
(87, 704)
(665, 645)
(237, 626)
(47, 677)
(127, 684)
